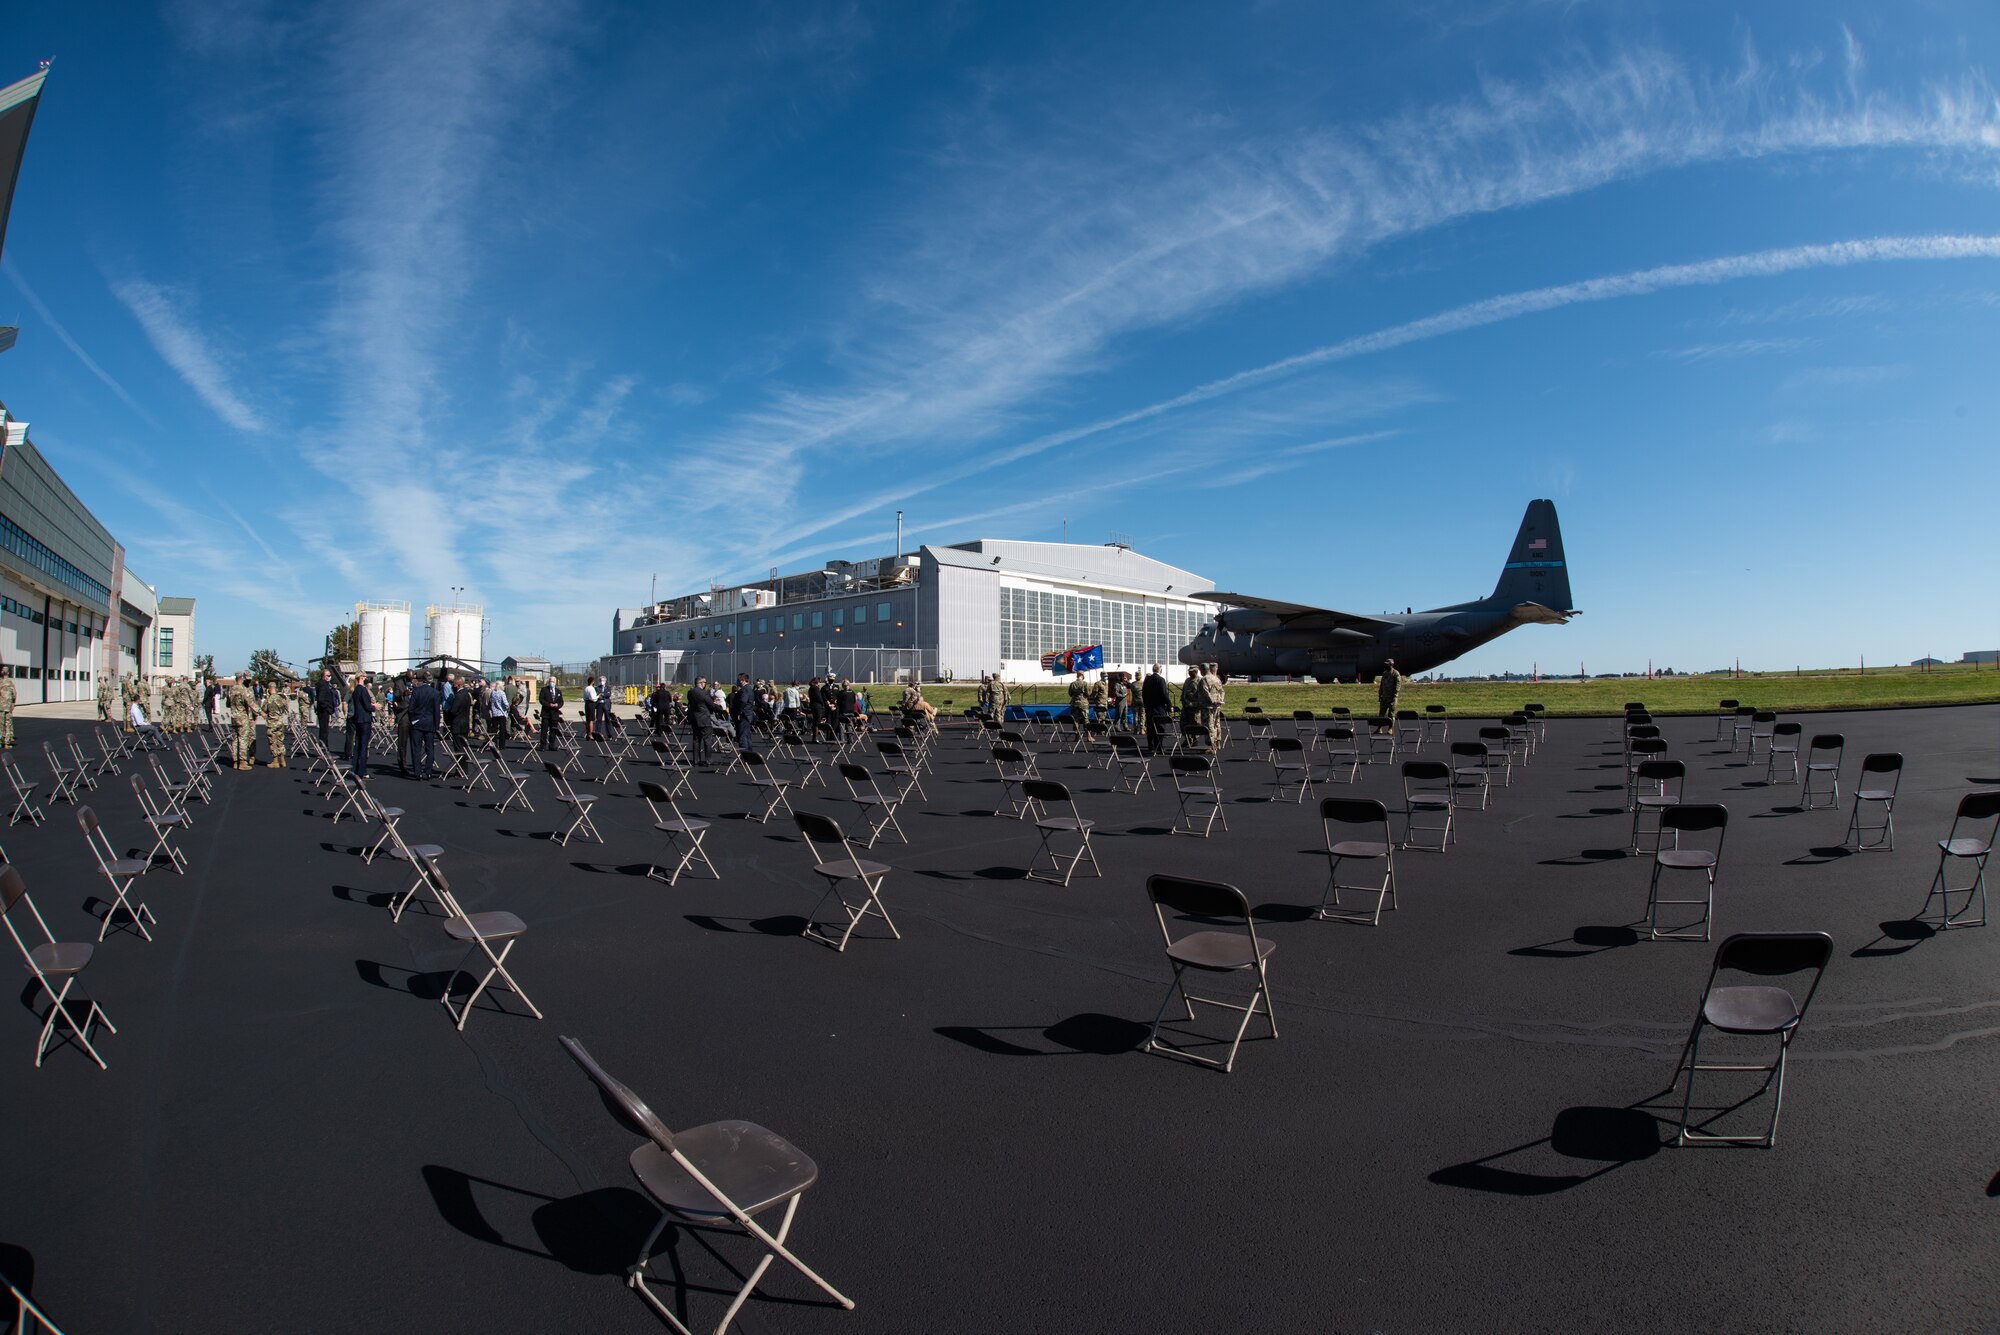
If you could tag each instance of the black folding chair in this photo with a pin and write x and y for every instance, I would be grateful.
(1657, 786)
(1054, 826)
(1430, 804)
(877, 806)
(1973, 848)
(1014, 767)
(1759, 1010)
(1676, 821)
(1199, 794)
(769, 786)
(1227, 943)
(835, 860)
(576, 800)
(1883, 795)
(1291, 772)
(481, 932)
(1338, 815)
(1823, 756)
(52, 962)
(721, 1176)
(684, 833)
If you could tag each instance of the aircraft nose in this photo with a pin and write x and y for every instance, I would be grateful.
(1188, 654)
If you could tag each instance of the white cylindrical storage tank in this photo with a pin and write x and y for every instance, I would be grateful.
(384, 637)
(456, 631)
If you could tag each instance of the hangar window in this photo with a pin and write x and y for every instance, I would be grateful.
(839, 616)
(881, 611)
(819, 619)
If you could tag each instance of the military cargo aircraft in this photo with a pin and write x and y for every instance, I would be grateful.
(1257, 637)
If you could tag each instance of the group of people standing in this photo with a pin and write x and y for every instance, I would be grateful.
(825, 706)
(180, 708)
(430, 709)
(1149, 702)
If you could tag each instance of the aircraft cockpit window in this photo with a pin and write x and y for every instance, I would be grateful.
(1207, 631)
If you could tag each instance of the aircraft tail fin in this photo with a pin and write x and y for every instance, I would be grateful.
(1535, 571)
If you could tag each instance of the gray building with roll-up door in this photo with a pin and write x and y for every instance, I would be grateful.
(960, 610)
(69, 608)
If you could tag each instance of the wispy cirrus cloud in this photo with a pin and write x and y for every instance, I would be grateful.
(1810, 308)
(1022, 262)
(166, 316)
(1741, 347)
(1024, 270)
(1460, 319)
(76, 349)
(421, 103)
(1823, 377)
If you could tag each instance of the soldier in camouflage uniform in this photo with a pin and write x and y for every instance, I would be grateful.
(1194, 700)
(104, 698)
(1388, 688)
(276, 705)
(999, 700)
(1079, 694)
(1212, 681)
(242, 723)
(6, 708)
(1100, 698)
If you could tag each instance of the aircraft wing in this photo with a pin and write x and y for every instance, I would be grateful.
(1298, 615)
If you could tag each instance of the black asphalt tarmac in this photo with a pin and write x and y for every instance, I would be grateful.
(1463, 1124)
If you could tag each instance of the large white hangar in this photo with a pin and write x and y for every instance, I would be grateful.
(989, 605)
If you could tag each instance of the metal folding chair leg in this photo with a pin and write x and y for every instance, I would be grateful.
(1774, 1081)
(582, 819)
(1188, 1000)
(685, 857)
(59, 1008)
(498, 968)
(775, 1249)
(1942, 889)
(1686, 932)
(1060, 868)
(121, 898)
(871, 902)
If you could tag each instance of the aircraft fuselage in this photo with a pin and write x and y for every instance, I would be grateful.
(1253, 636)
(1418, 642)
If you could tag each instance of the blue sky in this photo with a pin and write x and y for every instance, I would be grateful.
(544, 299)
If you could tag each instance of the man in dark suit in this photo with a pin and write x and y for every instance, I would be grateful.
(1158, 703)
(426, 710)
(743, 711)
(361, 717)
(816, 706)
(552, 707)
(325, 700)
(701, 717)
(458, 716)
